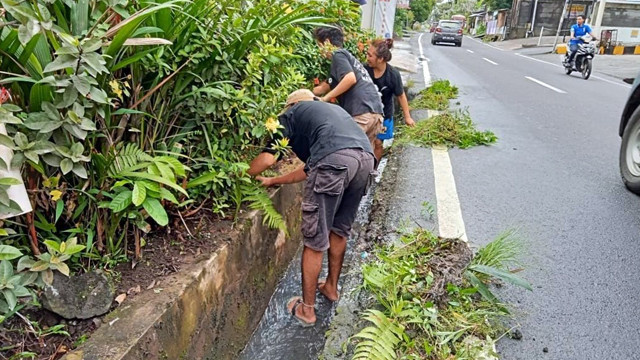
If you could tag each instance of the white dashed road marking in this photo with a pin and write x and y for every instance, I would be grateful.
(545, 85)
(489, 61)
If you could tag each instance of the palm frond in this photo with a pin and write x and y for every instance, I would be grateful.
(127, 157)
(259, 199)
(379, 341)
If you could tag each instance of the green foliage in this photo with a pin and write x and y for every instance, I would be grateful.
(422, 9)
(500, 253)
(436, 96)
(123, 112)
(482, 29)
(449, 129)
(402, 278)
(379, 341)
(404, 18)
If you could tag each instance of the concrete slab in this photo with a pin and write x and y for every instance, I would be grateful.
(209, 309)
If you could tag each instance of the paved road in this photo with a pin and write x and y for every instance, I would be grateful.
(554, 175)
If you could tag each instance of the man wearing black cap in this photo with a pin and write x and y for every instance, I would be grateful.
(339, 165)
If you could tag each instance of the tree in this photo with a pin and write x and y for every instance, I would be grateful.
(422, 9)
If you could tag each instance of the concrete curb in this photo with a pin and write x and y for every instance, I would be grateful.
(209, 309)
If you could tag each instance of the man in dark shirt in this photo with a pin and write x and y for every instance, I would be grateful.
(350, 83)
(339, 165)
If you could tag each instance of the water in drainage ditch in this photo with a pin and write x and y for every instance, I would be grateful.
(279, 336)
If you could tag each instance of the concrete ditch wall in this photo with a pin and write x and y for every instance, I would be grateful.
(208, 310)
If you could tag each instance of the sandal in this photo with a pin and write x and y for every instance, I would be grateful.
(297, 302)
(322, 282)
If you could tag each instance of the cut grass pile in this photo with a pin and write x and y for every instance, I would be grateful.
(433, 299)
(436, 97)
(451, 129)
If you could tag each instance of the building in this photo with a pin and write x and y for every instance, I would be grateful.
(617, 22)
(530, 17)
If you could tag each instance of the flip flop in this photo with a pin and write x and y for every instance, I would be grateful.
(324, 281)
(298, 302)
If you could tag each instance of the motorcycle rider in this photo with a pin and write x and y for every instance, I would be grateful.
(577, 31)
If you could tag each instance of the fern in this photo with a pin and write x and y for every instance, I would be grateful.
(380, 340)
(259, 199)
(126, 158)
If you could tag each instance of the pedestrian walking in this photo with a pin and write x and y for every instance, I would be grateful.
(338, 168)
(389, 83)
(350, 83)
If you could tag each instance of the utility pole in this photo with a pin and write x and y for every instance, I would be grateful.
(564, 11)
(533, 18)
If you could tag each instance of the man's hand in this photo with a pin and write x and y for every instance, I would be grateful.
(266, 181)
(409, 121)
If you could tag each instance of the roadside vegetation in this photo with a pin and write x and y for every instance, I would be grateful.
(451, 129)
(128, 118)
(433, 298)
(435, 97)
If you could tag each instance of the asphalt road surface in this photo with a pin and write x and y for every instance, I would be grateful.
(553, 175)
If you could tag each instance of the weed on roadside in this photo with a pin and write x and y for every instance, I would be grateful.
(436, 97)
(433, 300)
(450, 129)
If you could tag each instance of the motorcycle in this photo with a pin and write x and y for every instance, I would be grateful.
(583, 59)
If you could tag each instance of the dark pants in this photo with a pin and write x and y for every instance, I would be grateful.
(332, 195)
(574, 49)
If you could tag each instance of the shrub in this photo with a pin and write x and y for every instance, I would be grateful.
(124, 114)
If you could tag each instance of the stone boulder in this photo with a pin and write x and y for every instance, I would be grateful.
(78, 297)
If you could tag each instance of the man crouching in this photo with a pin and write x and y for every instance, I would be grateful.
(339, 163)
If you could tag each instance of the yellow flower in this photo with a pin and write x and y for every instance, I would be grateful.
(284, 142)
(272, 124)
(55, 195)
(115, 87)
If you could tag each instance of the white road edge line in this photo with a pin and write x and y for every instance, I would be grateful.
(470, 51)
(449, 213)
(450, 222)
(593, 76)
(425, 65)
(545, 85)
(489, 61)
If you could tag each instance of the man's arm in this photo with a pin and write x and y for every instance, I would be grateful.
(261, 163)
(404, 104)
(321, 89)
(295, 176)
(343, 86)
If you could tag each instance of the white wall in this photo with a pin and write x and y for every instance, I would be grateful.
(624, 35)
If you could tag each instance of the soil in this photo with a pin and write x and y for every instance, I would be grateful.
(166, 251)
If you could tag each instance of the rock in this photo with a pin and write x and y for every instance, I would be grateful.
(516, 334)
(78, 297)
(545, 350)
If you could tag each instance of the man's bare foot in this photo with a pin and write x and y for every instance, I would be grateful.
(332, 294)
(304, 313)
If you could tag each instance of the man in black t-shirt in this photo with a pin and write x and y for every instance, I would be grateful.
(350, 83)
(339, 165)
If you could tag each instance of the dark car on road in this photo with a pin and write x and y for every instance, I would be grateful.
(449, 31)
(630, 133)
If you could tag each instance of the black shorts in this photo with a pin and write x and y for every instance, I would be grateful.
(332, 194)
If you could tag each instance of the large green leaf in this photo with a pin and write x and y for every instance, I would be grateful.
(502, 275)
(157, 212)
(139, 193)
(120, 201)
(79, 16)
(152, 177)
(8, 252)
(125, 29)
